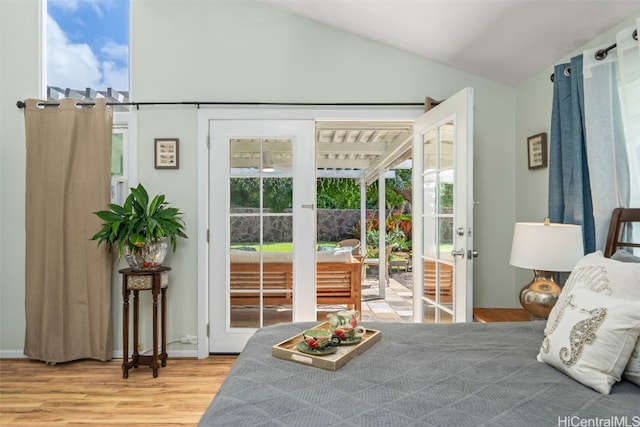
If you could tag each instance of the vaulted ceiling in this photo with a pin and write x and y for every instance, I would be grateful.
(507, 41)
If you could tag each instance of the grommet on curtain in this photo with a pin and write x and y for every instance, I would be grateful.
(567, 72)
(43, 105)
(601, 54)
(80, 105)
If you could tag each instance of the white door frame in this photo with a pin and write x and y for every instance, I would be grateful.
(459, 107)
(210, 113)
(223, 337)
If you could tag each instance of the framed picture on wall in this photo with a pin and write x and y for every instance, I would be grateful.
(537, 151)
(166, 153)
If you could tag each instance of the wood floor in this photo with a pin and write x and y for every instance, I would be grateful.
(92, 393)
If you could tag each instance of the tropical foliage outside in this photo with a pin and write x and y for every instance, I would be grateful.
(343, 193)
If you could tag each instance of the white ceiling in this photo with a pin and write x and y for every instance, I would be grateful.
(506, 41)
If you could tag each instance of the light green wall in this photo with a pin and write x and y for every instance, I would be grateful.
(19, 79)
(246, 51)
(533, 115)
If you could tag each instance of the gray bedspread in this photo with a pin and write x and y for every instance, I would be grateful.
(479, 374)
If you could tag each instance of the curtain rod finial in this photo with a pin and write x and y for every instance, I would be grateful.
(20, 104)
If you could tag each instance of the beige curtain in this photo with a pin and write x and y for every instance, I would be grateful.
(68, 278)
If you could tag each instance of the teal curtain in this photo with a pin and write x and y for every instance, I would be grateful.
(569, 188)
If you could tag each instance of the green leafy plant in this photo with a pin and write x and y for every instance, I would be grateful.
(138, 222)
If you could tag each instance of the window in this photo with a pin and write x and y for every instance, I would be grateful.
(87, 49)
(121, 166)
(87, 57)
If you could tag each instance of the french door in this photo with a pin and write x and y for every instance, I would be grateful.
(262, 198)
(443, 212)
(249, 162)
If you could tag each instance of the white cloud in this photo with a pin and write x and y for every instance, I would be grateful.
(76, 66)
(117, 51)
(69, 65)
(114, 77)
(73, 5)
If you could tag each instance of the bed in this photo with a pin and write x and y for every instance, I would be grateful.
(473, 374)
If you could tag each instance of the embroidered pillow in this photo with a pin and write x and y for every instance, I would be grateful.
(607, 277)
(592, 338)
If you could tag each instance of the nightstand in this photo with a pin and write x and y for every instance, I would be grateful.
(156, 281)
(485, 315)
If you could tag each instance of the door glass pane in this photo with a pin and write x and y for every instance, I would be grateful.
(277, 195)
(445, 192)
(278, 234)
(244, 195)
(430, 234)
(430, 194)
(428, 312)
(261, 227)
(244, 310)
(244, 261)
(117, 154)
(277, 268)
(433, 313)
(277, 156)
(244, 237)
(445, 231)
(445, 284)
(430, 280)
(446, 145)
(430, 151)
(244, 156)
(446, 317)
(438, 230)
(280, 311)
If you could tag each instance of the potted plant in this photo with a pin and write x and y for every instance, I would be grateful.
(139, 228)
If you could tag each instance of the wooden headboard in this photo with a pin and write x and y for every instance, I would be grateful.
(619, 218)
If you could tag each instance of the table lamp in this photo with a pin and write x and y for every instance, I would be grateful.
(545, 248)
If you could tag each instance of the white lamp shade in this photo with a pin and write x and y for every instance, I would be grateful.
(549, 247)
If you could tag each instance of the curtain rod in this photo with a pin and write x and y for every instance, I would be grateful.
(602, 53)
(21, 104)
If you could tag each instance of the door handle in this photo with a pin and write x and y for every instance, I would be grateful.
(472, 254)
(459, 252)
(309, 206)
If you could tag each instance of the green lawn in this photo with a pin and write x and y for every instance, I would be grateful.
(275, 246)
(288, 246)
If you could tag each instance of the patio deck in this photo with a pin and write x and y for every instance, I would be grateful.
(397, 306)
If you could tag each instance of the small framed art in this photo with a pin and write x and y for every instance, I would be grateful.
(166, 153)
(537, 151)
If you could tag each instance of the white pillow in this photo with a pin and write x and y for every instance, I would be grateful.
(340, 255)
(607, 277)
(593, 338)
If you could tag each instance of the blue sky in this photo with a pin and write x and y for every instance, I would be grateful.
(88, 44)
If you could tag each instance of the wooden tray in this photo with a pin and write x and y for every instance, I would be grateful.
(332, 362)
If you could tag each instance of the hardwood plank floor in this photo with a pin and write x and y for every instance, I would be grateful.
(93, 393)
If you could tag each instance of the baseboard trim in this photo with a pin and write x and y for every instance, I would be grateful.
(12, 354)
